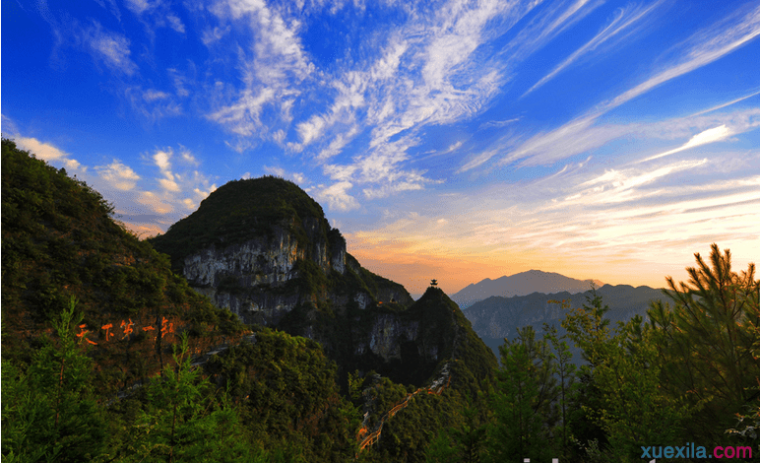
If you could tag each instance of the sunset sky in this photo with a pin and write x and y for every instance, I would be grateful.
(456, 140)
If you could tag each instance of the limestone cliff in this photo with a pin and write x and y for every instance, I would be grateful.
(263, 249)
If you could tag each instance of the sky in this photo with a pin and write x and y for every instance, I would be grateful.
(456, 140)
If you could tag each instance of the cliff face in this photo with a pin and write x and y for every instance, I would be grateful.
(273, 259)
(251, 279)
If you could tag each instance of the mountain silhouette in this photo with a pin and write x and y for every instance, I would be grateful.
(496, 318)
(521, 284)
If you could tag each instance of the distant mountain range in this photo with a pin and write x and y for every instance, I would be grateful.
(497, 318)
(521, 284)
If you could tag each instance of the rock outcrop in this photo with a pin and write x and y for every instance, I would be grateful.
(251, 278)
(263, 249)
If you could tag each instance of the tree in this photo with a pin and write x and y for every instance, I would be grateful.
(48, 414)
(709, 342)
(523, 400)
(460, 444)
(178, 425)
(566, 374)
(628, 402)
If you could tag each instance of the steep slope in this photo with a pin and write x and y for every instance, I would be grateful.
(497, 318)
(521, 284)
(60, 241)
(403, 420)
(263, 249)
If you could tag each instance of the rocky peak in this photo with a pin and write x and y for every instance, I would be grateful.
(259, 248)
(264, 250)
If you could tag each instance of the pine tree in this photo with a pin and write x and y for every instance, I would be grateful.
(566, 373)
(178, 424)
(523, 400)
(48, 414)
(707, 341)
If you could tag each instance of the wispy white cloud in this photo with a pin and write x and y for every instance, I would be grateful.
(175, 23)
(546, 26)
(583, 134)
(188, 157)
(575, 137)
(624, 20)
(478, 160)
(213, 35)
(271, 71)
(140, 6)
(109, 47)
(708, 136)
(152, 104)
(337, 144)
(162, 159)
(726, 104)
(151, 95)
(427, 74)
(497, 124)
(616, 186)
(336, 196)
(707, 46)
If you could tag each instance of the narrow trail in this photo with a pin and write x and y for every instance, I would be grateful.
(366, 439)
(436, 388)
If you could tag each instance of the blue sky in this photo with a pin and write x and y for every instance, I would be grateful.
(456, 140)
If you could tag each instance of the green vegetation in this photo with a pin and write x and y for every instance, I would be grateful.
(274, 400)
(242, 210)
(49, 413)
(685, 376)
(59, 240)
(689, 374)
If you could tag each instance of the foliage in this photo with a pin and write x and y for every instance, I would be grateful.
(59, 239)
(524, 400)
(49, 414)
(242, 210)
(181, 421)
(708, 342)
(565, 372)
(287, 393)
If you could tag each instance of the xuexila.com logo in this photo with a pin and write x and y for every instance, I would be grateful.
(692, 451)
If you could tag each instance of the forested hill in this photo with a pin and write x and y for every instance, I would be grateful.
(59, 240)
(89, 310)
(263, 249)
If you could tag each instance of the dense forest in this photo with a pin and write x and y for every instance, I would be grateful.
(684, 385)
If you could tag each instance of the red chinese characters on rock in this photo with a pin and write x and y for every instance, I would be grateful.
(127, 328)
(108, 330)
(83, 334)
(166, 327)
